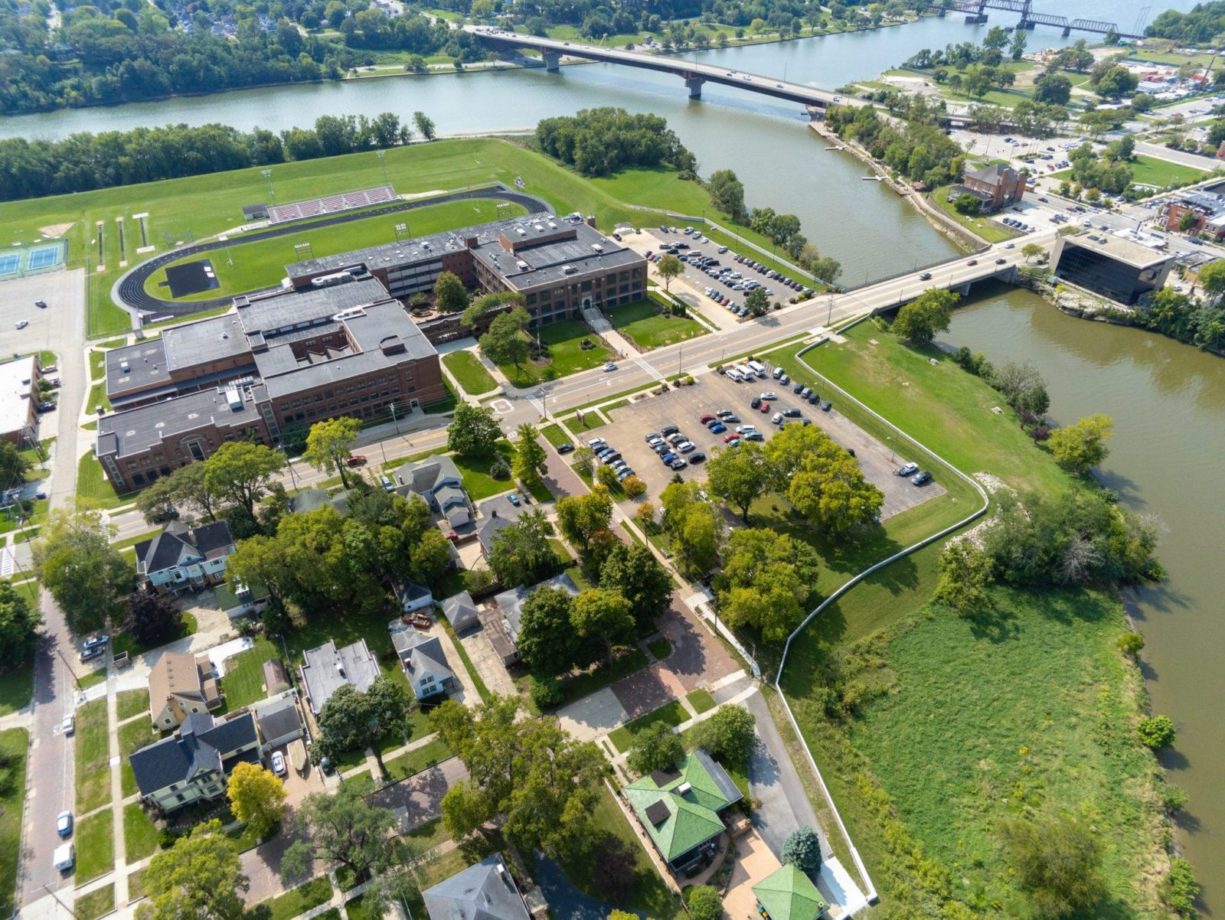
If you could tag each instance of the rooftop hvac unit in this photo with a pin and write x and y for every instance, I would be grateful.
(233, 397)
(340, 668)
(539, 228)
(521, 231)
(522, 265)
(568, 269)
(597, 247)
(552, 225)
(124, 366)
(683, 788)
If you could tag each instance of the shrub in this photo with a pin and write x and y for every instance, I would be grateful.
(499, 469)
(1130, 643)
(803, 849)
(477, 581)
(704, 902)
(1180, 889)
(1156, 732)
(546, 692)
(1173, 798)
(634, 487)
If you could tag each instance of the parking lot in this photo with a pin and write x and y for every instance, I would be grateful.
(712, 393)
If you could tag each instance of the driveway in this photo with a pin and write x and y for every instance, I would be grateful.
(262, 865)
(594, 715)
(488, 663)
(754, 862)
(565, 901)
(418, 799)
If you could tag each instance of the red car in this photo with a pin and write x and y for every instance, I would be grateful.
(706, 419)
(764, 407)
(728, 438)
(356, 460)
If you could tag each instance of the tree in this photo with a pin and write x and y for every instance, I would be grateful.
(766, 581)
(601, 616)
(1113, 80)
(152, 620)
(473, 431)
(695, 526)
(541, 780)
(1031, 251)
(330, 444)
(1212, 278)
(186, 488)
(1053, 89)
(450, 295)
(929, 313)
(669, 267)
(821, 479)
(704, 902)
(738, 476)
(424, 125)
(1017, 47)
(530, 459)
(640, 578)
(757, 302)
(487, 303)
(343, 830)
(1131, 643)
(19, 624)
(240, 473)
(728, 735)
(257, 797)
(351, 720)
(1156, 732)
(1023, 388)
(967, 204)
(965, 574)
(656, 747)
(199, 878)
(580, 517)
(521, 553)
(802, 849)
(506, 341)
(547, 641)
(1058, 860)
(1082, 445)
(13, 465)
(727, 194)
(431, 557)
(88, 577)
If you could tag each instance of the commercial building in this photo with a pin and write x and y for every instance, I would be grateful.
(559, 265)
(1111, 266)
(286, 359)
(19, 399)
(1206, 210)
(995, 186)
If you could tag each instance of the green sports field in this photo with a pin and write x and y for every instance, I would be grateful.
(245, 267)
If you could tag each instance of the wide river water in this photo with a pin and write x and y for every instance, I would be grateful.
(1167, 400)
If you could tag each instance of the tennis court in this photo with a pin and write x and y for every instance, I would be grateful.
(45, 256)
(10, 263)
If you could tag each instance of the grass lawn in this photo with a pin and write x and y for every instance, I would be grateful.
(469, 372)
(16, 688)
(357, 910)
(475, 472)
(95, 904)
(701, 700)
(136, 885)
(1162, 173)
(247, 266)
(140, 836)
(554, 435)
(671, 714)
(93, 490)
(299, 900)
(14, 745)
(95, 841)
(981, 227)
(131, 703)
(649, 895)
(243, 682)
(647, 327)
(133, 736)
(417, 760)
(566, 354)
(92, 757)
(97, 399)
(428, 835)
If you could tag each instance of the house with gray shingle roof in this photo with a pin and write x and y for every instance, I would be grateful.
(181, 557)
(425, 663)
(438, 480)
(485, 891)
(460, 611)
(194, 763)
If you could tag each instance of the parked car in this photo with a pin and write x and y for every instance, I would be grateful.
(922, 478)
(98, 641)
(669, 429)
(41, 304)
(356, 460)
(278, 763)
(718, 428)
(907, 469)
(90, 654)
(791, 413)
(826, 406)
(565, 448)
(63, 824)
(22, 323)
(64, 858)
(513, 498)
(754, 436)
(69, 725)
(678, 464)
(696, 457)
(755, 402)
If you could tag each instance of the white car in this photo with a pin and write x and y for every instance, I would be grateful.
(609, 367)
(69, 725)
(278, 763)
(22, 323)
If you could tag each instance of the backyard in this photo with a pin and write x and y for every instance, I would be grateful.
(243, 681)
(647, 327)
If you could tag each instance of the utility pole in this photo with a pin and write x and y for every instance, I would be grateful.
(394, 418)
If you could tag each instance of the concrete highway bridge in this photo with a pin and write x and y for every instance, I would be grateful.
(694, 74)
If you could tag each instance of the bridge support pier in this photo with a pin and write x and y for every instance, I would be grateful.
(975, 19)
(695, 86)
(1067, 30)
(964, 290)
(552, 61)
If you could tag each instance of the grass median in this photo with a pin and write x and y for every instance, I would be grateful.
(92, 757)
(14, 747)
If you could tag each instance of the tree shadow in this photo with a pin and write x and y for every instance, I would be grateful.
(996, 624)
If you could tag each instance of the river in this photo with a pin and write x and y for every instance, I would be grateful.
(1168, 405)
(1167, 400)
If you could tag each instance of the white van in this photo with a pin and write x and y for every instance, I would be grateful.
(745, 371)
(734, 374)
(758, 368)
(65, 857)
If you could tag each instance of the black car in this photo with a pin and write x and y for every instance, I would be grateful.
(814, 398)
(41, 304)
(565, 448)
(755, 403)
(798, 388)
(697, 457)
(1000, 261)
(791, 413)
(826, 406)
(921, 478)
(46, 407)
(669, 429)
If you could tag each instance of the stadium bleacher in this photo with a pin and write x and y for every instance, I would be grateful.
(332, 204)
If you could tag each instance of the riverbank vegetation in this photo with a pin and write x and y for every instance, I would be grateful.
(947, 735)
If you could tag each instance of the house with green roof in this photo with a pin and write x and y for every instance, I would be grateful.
(682, 810)
(788, 894)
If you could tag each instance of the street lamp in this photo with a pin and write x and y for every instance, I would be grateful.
(394, 418)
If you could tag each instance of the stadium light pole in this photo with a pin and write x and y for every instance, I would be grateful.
(382, 162)
(267, 174)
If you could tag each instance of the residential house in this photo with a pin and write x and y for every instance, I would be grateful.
(682, 810)
(184, 557)
(413, 597)
(996, 186)
(278, 721)
(181, 684)
(503, 620)
(328, 668)
(194, 764)
(460, 611)
(425, 663)
(438, 481)
(488, 531)
(484, 891)
(788, 894)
